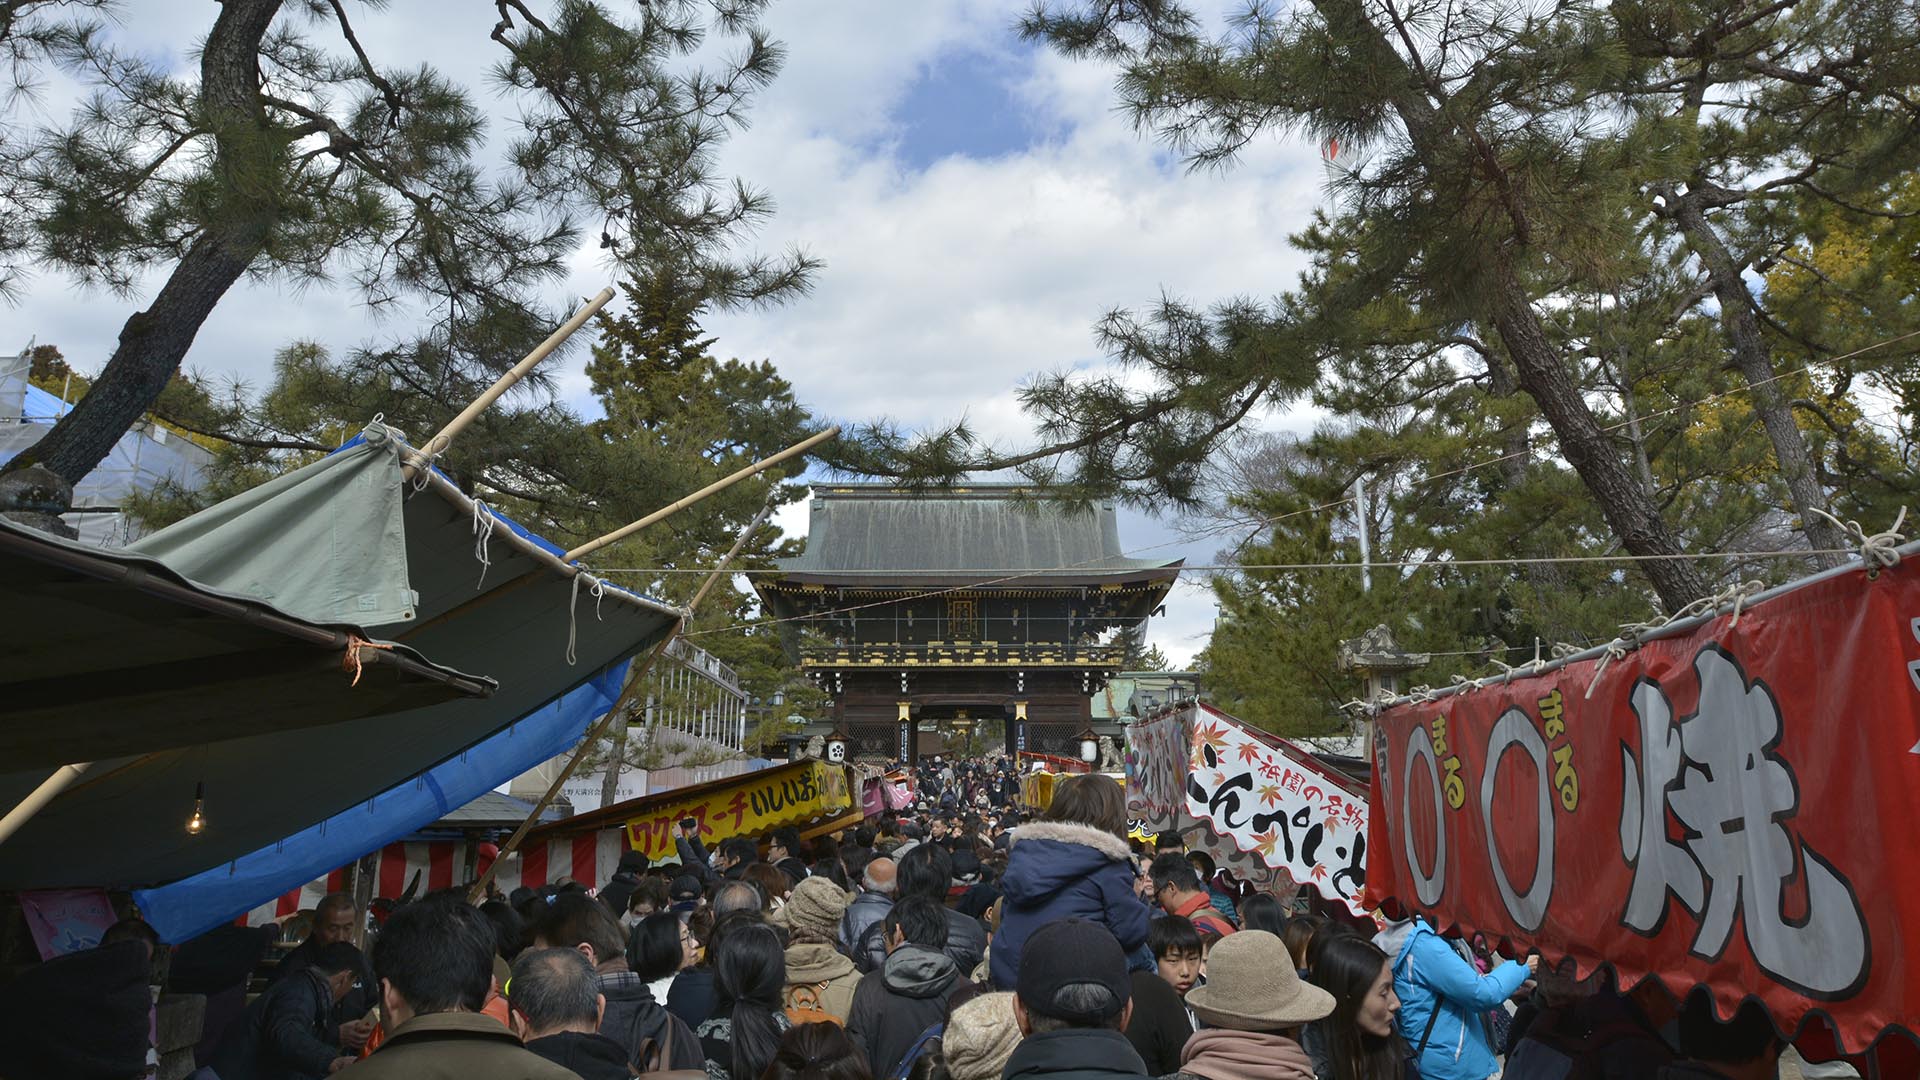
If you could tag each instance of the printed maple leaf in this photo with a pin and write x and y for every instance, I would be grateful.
(1319, 871)
(1212, 736)
(1249, 752)
(1267, 841)
(1270, 794)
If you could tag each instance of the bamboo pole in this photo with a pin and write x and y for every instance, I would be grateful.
(762, 465)
(444, 437)
(39, 797)
(634, 686)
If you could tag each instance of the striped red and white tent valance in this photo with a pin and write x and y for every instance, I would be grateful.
(589, 859)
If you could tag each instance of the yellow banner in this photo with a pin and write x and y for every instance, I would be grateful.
(754, 805)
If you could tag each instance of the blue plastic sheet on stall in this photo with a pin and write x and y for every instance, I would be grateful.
(191, 906)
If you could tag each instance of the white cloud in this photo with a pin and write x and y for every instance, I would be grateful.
(945, 288)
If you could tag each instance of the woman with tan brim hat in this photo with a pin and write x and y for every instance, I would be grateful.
(1253, 1006)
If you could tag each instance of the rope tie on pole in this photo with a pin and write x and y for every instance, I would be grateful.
(350, 660)
(483, 523)
(1877, 550)
(597, 590)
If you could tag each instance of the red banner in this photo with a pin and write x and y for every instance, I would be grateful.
(1730, 806)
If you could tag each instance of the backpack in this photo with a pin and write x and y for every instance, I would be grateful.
(656, 1055)
(804, 1007)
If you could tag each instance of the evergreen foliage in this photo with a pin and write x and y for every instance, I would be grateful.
(292, 154)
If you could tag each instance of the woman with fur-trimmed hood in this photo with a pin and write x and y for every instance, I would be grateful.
(1072, 864)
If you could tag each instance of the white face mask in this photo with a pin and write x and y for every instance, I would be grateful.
(631, 919)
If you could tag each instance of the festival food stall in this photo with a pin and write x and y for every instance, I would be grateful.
(1260, 805)
(813, 796)
(1720, 801)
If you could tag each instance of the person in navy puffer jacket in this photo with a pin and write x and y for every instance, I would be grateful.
(1074, 863)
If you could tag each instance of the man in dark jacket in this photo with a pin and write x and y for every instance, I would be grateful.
(619, 888)
(916, 988)
(736, 853)
(1072, 1003)
(288, 1032)
(435, 963)
(334, 920)
(783, 851)
(927, 871)
(631, 1017)
(556, 1012)
(869, 907)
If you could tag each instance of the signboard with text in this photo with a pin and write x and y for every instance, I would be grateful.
(755, 805)
(1258, 793)
(1730, 806)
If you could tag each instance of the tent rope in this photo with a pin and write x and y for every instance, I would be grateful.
(483, 523)
(597, 590)
(1877, 550)
(350, 660)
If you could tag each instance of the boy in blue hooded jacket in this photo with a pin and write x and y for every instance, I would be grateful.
(1443, 1001)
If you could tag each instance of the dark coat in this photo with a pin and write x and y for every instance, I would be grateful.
(1160, 1028)
(794, 868)
(1058, 870)
(966, 942)
(1074, 1054)
(914, 990)
(593, 1057)
(692, 995)
(361, 997)
(868, 910)
(286, 1034)
(633, 1019)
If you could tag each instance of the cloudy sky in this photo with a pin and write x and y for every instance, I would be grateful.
(978, 202)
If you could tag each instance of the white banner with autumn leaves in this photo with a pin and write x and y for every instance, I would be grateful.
(1272, 800)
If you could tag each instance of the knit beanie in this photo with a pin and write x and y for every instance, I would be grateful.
(815, 907)
(980, 1037)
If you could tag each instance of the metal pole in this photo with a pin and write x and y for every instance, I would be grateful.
(39, 797)
(622, 533)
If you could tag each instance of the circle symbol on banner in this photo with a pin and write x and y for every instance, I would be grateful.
(1515, 729)
(1427, 887)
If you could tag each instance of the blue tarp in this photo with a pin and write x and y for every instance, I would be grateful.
(191, 906)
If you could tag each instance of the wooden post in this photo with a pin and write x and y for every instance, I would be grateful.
(39, 797)
(625, 531)
(636, 684)
(442, 439)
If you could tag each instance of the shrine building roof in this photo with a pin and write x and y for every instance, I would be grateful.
(867, 534)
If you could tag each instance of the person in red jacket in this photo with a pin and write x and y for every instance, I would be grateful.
(1177, 888)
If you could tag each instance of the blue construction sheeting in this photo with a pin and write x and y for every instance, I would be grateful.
(191, 906)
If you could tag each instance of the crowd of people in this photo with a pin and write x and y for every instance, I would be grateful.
(960, 940)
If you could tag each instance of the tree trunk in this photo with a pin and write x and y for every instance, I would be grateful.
(1628, 507)
(1629, 510)
(1754, 357)
(154, 342)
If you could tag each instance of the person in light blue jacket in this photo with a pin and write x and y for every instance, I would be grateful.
(1443, 1001)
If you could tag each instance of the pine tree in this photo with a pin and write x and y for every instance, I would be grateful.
(291, 155)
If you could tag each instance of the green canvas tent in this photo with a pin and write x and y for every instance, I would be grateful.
(347, 540)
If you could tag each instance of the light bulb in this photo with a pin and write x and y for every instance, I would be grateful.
(199, 820)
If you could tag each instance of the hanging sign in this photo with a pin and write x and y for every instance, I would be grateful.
(1273, 801)
(1728, 807)
(755, 805)
(1156, 766)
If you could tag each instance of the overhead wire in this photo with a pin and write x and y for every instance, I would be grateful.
(1267, 521)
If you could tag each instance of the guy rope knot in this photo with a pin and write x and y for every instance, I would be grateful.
(350, 660)
(1877, 550)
